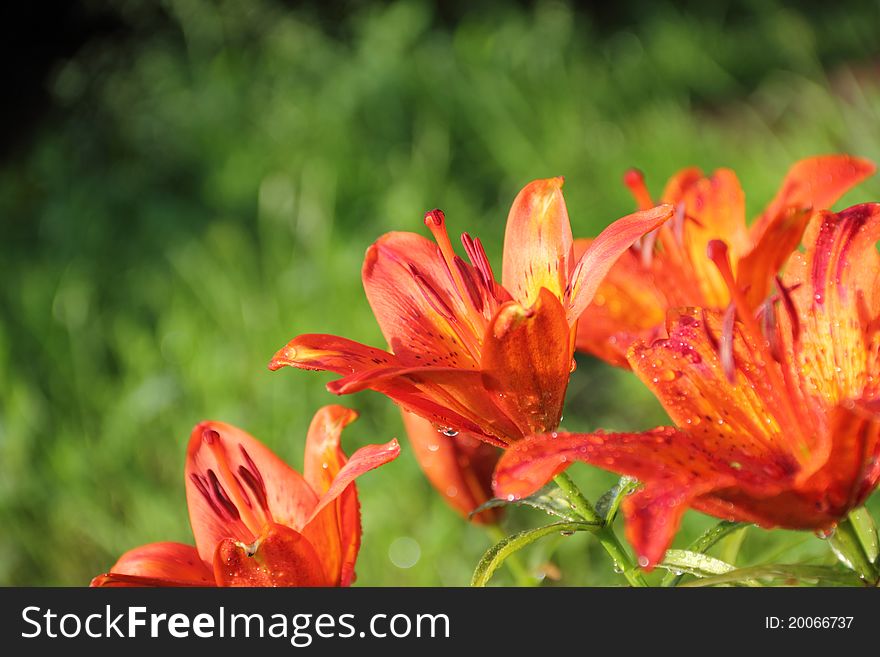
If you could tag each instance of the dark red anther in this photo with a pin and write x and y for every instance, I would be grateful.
(471, 287)
(258, 490)
(221, 496)
(253, 478)
(209, 436)
(435, 216)
(788, 304)
(477, 255)
(252, 466)
(431, 295)
(202, 487)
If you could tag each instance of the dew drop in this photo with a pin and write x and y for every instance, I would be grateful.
(825, 534)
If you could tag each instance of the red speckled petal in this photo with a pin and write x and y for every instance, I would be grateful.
(675, 467)
(603, 252)
(779, 239)
(281, 557)
(314, 351)
(446, 396)
(334, 528)
(362, 461)
(537, 242)
(839, 302)
(419, 309)
(628, 304)
(335, 533)
(527, 356)
(686, 374)
(814, 183)
(235, 485)
(158, 564)
(714, 208)
(449, 397)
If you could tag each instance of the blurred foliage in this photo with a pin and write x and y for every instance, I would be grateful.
(204, 189)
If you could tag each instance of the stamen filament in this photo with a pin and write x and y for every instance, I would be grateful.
(717, 252)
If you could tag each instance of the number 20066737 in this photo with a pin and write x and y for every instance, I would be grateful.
(808, 622)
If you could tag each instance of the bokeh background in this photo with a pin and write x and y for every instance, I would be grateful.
(185, 185)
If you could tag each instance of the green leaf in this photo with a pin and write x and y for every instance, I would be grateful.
(609, 503)
(850, 548)
(694, 563)
(709, 538)
(550, 500)
(780, 573)
(495, 555)
(867, 532)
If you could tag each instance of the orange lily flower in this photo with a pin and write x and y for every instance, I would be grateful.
(258, 522)
(777, 415)
(669, 268)
(467, 353)
(459, 466)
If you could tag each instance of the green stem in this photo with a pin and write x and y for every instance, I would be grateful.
(848, 546)
(607, 538)
(517, 569)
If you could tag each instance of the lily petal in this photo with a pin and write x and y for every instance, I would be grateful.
(324, 457)
(334, 528)
(839, 301)
(604, 251)
(627, 304)
(281, 557)
(527, 360)
(780, 238)
(459, 467)
(814, 183)
(686, 374)
(158, 564)
(445, 395)
(363, 460)
(235, 486)
(675, 467)
(714, 208)
(537, 242)
(335, 532)
(415, 300)
(314, 351)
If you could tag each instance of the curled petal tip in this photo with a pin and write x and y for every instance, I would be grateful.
(285, 356)
(509, 318)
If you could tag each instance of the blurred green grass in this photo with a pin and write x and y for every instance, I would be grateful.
(205, 192)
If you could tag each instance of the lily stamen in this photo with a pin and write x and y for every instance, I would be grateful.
(717, 253)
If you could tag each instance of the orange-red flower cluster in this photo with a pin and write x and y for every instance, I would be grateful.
(258, 522)
(765, 356)
(772, 381)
